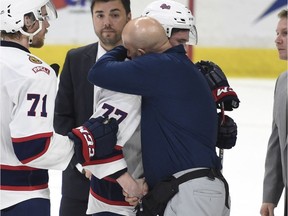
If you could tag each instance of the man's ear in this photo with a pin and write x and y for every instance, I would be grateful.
(129, 16)
(140, 52)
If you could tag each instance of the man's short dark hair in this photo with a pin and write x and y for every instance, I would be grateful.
(125, 3)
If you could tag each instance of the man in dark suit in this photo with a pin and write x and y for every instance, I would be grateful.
(74, 105)
(75, 102)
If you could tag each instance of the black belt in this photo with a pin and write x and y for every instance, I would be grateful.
(210, 173)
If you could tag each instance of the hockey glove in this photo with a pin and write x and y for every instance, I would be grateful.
(56, 68)
(96, 138)
(221, 90)
(227, 132)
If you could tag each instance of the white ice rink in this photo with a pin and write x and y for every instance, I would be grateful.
(243, 164)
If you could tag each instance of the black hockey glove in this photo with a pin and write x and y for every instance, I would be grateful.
(227, 132)
(56, 68)
(221, 90)
(96, 138)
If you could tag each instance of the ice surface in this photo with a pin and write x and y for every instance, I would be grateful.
(243, 164)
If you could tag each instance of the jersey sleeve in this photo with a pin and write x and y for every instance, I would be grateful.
(34, 141)
(126, 109)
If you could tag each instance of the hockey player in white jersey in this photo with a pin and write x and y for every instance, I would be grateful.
(106, 196)
(29, 145)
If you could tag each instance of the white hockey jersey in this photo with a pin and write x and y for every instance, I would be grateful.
(126, 109)
(29, 145)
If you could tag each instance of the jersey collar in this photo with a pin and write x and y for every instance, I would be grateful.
(13, 44)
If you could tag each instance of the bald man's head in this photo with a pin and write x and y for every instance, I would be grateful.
(144, 35)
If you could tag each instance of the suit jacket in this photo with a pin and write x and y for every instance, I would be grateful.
(275, 178)
(74, 106)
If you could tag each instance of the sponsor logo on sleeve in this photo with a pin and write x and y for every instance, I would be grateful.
(38, 69)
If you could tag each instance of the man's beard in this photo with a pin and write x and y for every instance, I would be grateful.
(37, 43)
(111, 41)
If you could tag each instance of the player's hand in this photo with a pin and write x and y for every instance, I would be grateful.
(95, 139)
(143, 185)
(133, 201)
(267, 209)
(221, 90)
(227, 132)
(142, 189)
